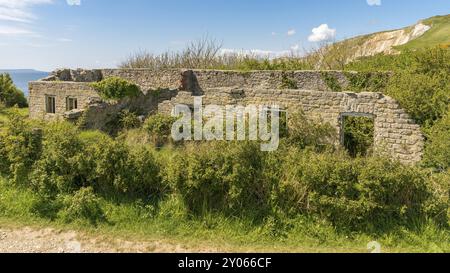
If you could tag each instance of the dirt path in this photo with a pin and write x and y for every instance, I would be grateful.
(32, 240)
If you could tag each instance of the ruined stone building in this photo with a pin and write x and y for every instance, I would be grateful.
(67, 94)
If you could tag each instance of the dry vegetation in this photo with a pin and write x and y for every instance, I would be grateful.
(206, 53)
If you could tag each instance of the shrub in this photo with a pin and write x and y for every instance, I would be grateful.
(159, 127)
(129, 120)
(117, 170)
(367, 81)
(437, 150)
(20, 147)
(425, 97)
(220, 177)
(399, 192)
(10, 95)
(83, 205)
(438, 207)
(310, 133)
(419, 82)
(358, 135)
(362, 194)
(58, 169)
(144, 178)
(331, 81)
(115, 88)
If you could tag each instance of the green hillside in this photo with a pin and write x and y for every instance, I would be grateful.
(438, 35)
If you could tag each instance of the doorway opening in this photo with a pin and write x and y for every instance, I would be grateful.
(358, 133)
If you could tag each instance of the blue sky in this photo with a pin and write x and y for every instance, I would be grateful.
(47, 34)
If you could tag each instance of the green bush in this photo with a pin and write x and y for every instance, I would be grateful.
(129, 120)
(71, 160)
(361, 194)
(419, 81)
(115, 88)
(83, 205)
(437, 150)
(118, 170)
(425, 97)
(159, 127)
(399, 192)
(368, 81)
(58, 169)
(438, 207)
(219, 177)
(20, 147)
(309, 133)
(10, 95)
(359, 135)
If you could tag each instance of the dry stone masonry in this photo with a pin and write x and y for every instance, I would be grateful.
(395, 132)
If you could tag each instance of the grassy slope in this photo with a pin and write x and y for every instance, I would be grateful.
(438, 35)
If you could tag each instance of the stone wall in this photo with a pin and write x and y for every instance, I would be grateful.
(310, 80)
(60, 90)
(395, 131)
(175, 78)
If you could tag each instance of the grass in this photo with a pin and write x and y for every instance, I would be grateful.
(134, 222)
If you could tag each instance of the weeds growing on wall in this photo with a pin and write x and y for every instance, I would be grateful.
(367, 81)
(287, 82)
(331, 81)
(115, 88)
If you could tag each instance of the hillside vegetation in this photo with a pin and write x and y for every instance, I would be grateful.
(438, 35)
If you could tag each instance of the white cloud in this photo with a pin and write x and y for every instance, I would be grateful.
(74, 2)
(322, 33)
(14, 31)
(22, 3)
(291, 32)
(374, 2)
(16, 15)
(18, 10)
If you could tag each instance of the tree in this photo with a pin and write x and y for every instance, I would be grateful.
(10, 95)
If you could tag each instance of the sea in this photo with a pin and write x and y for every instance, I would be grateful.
(22, 77)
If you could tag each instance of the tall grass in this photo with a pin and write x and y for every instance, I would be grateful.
(207, 53)
(200, 54)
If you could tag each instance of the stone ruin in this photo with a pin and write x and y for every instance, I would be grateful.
(67, 94)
